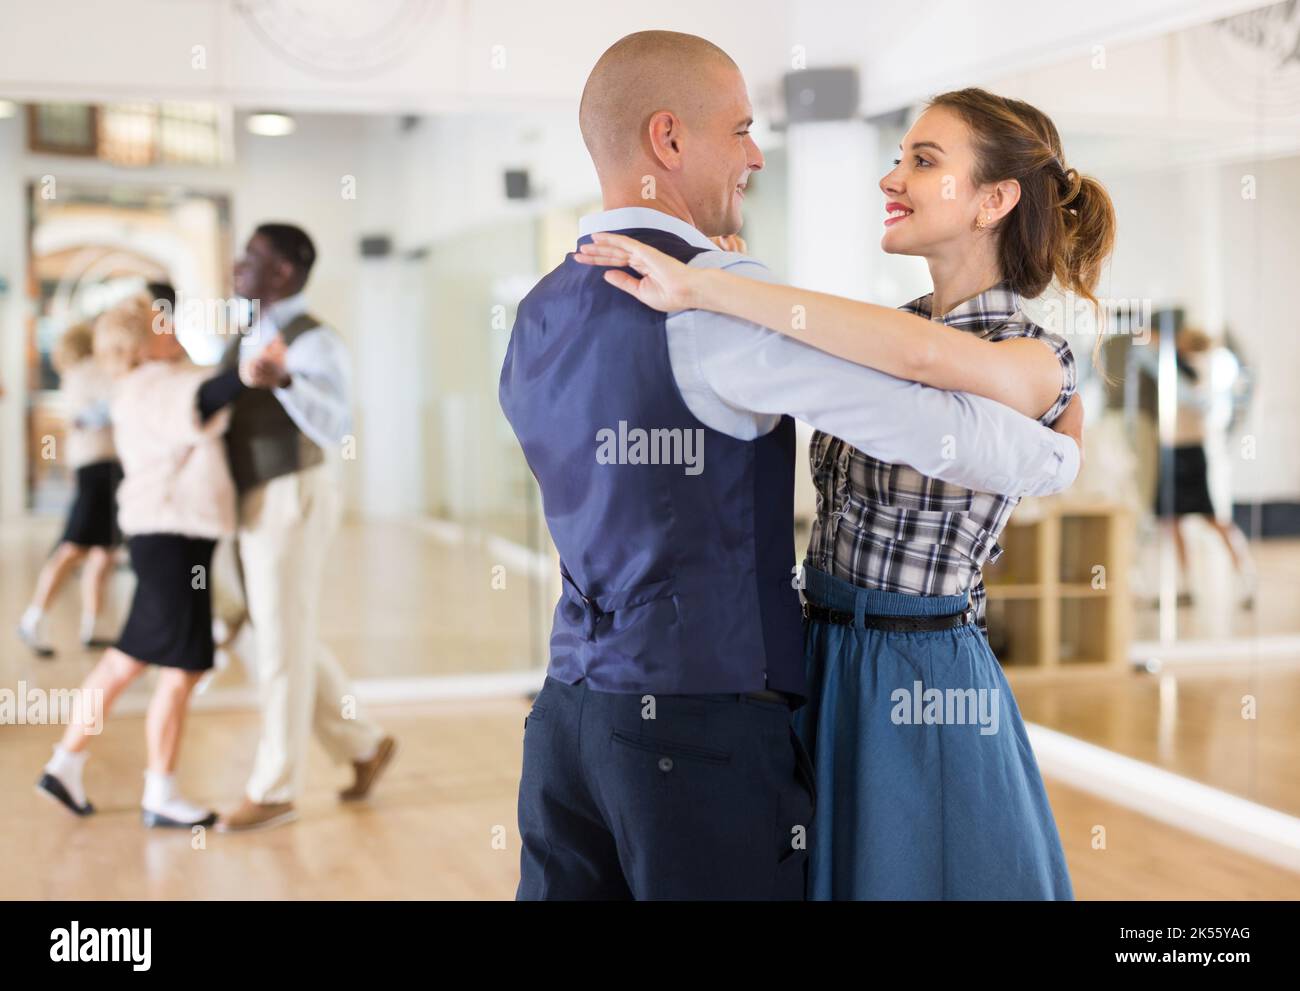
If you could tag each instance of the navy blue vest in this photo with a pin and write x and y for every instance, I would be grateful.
(677, 575)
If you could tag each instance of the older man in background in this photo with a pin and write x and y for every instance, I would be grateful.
(279, 442)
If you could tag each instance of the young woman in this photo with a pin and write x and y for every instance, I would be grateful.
(176, 499)
(924, 794)
(91, 531)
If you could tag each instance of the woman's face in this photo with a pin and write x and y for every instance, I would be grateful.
(931, 204)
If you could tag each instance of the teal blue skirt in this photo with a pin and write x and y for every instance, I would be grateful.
(926, 784)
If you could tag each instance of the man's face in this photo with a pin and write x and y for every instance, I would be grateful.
(720, 155)
(260, 272)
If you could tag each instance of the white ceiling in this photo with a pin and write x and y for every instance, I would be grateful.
(448, 55)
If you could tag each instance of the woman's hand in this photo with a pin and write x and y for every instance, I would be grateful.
(665, 284)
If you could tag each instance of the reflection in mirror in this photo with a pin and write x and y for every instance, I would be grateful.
(1193, 411)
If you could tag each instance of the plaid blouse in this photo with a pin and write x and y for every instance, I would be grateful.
(887, 526)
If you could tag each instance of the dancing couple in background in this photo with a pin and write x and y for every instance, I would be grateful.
(244, 453)
(701, 732)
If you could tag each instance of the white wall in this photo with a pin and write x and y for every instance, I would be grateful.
(1259, 258)
(470, 54)
(1187, 238)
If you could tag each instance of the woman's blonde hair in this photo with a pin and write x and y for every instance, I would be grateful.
(76, 344)
(122, 333)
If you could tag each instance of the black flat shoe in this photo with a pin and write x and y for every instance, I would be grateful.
(52, 787)
(155, 820)
(98, 643)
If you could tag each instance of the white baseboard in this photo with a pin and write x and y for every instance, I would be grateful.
(1226, 819)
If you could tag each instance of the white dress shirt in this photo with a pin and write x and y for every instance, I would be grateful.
(739, 378)
(319, 396)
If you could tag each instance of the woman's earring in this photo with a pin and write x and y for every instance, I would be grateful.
(981, 222)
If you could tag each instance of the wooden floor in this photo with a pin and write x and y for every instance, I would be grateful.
(1189, 720)
(399, 600)
(407, 602)
(441, 825)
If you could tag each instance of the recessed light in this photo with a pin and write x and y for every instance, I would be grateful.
(270, 125)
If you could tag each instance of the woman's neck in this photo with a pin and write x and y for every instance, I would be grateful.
(961, 276)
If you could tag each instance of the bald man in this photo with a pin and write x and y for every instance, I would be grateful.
(660, 759)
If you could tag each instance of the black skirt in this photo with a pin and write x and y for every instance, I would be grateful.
(170, 623)
(92, 520)
(1183, 488)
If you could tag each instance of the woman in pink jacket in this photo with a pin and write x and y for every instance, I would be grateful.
(176, 500)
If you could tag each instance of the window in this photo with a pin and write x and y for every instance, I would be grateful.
(133, 134)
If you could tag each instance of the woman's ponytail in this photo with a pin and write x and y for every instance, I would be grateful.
(1063, 227)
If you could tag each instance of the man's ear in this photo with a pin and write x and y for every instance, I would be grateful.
(284, 272)
(665, 133)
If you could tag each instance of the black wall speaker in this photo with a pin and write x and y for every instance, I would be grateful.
(821, 94)
(376, 246)
(517, 185)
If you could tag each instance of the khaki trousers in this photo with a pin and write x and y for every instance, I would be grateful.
(285, 529)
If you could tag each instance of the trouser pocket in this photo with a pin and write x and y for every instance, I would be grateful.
(804, 766)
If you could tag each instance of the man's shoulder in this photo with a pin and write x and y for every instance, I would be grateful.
(735, 262)
(559, 286)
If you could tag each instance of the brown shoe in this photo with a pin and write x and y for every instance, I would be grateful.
(368, 771)
(256, 815)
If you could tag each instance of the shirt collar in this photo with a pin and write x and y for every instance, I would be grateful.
(271, 319)
(631, 217)
(283, 310)
(993, 306)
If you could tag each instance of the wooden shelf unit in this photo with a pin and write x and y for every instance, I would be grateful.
(1049, 607)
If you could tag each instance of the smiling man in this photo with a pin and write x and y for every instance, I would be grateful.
(281, 441)
(659, 758)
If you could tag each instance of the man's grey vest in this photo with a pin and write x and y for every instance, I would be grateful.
(263, 442)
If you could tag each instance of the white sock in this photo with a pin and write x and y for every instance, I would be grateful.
(67, 767)
(158, 788)
(87, 627)
(160, 797)
(31, 621)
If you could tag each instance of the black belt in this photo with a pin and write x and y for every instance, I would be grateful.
(894, 624)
